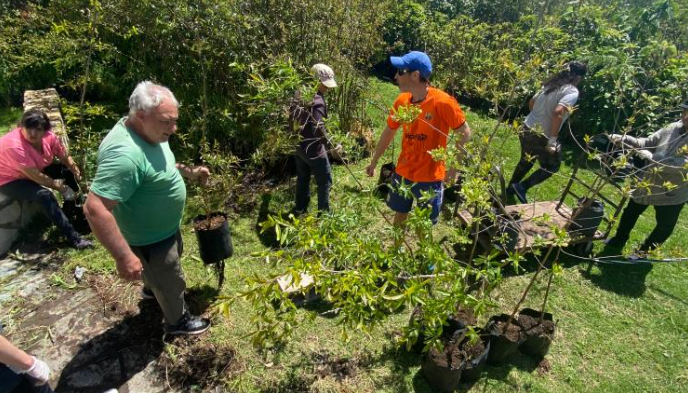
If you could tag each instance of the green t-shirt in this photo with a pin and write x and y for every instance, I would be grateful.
(145, 182)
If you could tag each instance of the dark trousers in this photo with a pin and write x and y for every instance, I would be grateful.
(10, 382)
(28, 190)
(162, 273)
(320, 169)
(534, 145)
(666, 217)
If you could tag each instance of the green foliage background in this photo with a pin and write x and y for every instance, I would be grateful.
(226, 59)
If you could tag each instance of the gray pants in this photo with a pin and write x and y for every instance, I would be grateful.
(162, 273)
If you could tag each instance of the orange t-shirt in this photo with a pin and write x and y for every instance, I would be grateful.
(440, 113)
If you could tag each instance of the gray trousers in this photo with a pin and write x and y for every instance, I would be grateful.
(162, 273)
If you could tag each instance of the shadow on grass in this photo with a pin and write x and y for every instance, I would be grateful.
(113, 357)
(267, 238)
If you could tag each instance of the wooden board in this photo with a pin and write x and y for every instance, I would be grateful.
(530, 227)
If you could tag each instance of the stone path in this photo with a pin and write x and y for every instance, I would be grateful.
(92, 339)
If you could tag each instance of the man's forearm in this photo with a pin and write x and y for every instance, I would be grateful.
(105, 229)
(185, 170)
(465, 132)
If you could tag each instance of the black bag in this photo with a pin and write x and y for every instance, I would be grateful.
(587, 218)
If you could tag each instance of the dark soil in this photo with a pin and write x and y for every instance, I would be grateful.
(196, 363)
(514, 333)
(215, 222)
(339, 368)
(543, 367)
(466, 317)
(457, 354)
(532, 327)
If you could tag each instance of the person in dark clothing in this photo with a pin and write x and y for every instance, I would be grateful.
(311, 152)
(667, 161)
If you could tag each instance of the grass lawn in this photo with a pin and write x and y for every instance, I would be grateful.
(620, 329)
(8, 119)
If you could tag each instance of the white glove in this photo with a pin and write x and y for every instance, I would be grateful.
(552, 145)
(644, 154)
(67, 193)
(38, 371)
(616, 138)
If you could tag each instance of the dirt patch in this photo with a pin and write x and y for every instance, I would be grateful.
(325, 365)
(544, 367)
(117, 297)
(513, 333)
(195, 362)
(455, 355)
(204, 225)
(532, 326)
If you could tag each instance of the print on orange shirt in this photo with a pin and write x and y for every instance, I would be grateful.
(440, 113)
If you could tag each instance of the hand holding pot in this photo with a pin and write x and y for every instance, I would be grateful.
(370, 169)
(130, 268)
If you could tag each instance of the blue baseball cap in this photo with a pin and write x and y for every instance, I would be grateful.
(413, 61)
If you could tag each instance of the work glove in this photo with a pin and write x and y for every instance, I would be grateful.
(67, 193)
(552, 145)
(616, 138)
(644, 154)
(38, 371)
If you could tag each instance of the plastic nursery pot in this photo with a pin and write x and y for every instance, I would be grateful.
(473, 368)
(214, 243)
(441, 378)
(538, 337)
(384, 182)
(588, 218)
(502, 346)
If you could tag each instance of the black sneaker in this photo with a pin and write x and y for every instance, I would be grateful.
(188, 325)
(147, 294)
(82, 244)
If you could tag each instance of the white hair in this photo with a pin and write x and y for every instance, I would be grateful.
(147, 95)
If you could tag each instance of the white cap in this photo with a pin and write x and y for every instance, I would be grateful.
(325, 74)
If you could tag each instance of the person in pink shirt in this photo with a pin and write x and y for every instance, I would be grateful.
(26, 158)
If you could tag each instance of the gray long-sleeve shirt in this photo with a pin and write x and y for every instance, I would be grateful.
(669, 148)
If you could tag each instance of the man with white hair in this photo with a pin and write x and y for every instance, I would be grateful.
(136, 202)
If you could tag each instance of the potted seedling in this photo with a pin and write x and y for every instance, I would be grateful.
(212, 227)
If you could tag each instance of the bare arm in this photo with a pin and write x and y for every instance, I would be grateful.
(98, 211)
(41, 178)
(557, 119)
(385, 139)
(465, 132)
(13, 356)
(68, 161)
(198, 174)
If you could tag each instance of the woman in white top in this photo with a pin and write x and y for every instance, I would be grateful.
(539, 137)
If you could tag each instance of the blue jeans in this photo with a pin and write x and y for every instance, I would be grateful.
(403, 204)
(320, 169)
(10, 382)
(28, 190)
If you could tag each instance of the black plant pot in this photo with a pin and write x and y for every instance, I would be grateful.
(384, 182)
(536, 345)
(473, 368)
(441, 378)
(501, 347)
(215, 244)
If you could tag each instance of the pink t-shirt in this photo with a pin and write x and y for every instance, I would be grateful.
(16, 152)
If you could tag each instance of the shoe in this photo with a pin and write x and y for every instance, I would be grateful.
(82, 244)
(188, 325)
(520, 192)
(147, 294)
